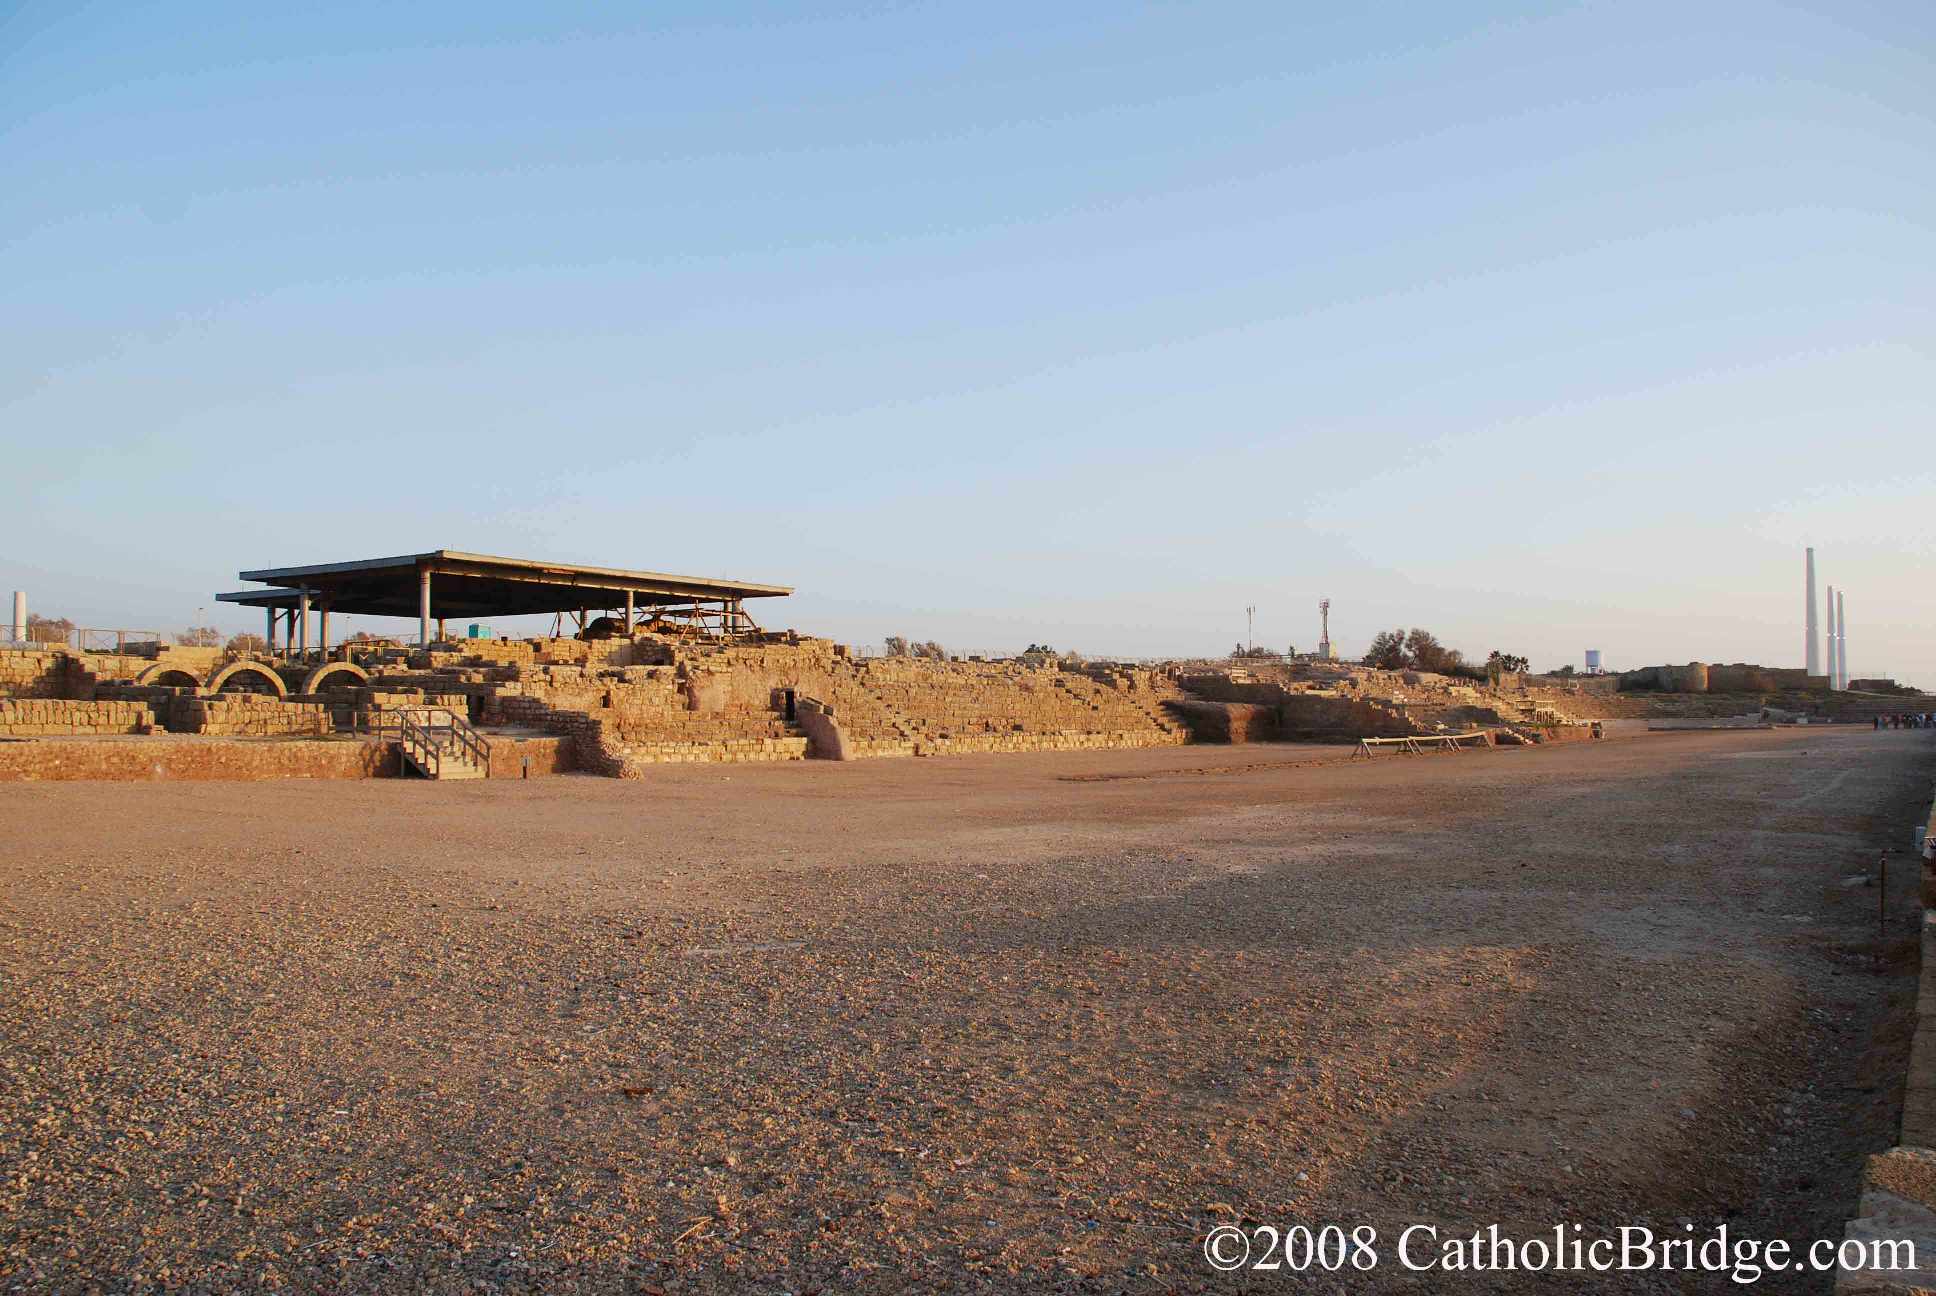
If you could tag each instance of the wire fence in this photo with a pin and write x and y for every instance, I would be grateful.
(79, 638)
(876, 651)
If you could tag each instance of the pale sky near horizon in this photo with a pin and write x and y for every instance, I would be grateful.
(1548, 328)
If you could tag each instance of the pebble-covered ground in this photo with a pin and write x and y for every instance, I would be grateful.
(1006, 1023)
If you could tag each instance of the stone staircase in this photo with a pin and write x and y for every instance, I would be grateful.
(440, 744)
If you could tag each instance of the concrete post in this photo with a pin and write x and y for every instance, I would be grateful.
(628, 614)
(322, 636)
(423, 608)
(302, 604)
(270, 637)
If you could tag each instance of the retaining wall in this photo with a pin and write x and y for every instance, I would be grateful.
(547, 756)
(44, 717)
(193, 759)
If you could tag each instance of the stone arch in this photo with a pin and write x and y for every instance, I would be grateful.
(230, 671)
(164, 676)
(313, 682)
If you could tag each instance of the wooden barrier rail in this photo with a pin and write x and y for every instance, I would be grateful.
(1419, 744)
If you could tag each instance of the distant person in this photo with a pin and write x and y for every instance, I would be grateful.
(1878, 719)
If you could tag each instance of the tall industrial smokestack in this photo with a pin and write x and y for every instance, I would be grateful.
(1812, 658)
(1842, 638)
(1831, 637)
(19, 615)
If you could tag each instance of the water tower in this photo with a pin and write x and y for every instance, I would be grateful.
(1593, 666)
(1324, 635)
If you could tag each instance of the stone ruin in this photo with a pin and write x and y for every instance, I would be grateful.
(623, 704)
(613, 705)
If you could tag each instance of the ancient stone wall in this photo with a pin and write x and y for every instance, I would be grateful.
(1316, 717)
(122, 759)
(513, 758)
(32, 673)
(44, 717)
(241, 715)
(959, 706)
(1229, 722)
(730, 703)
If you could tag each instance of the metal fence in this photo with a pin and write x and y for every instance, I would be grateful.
(875, 651)
(80, 638)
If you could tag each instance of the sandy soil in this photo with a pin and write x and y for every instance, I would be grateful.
(1012, 1023)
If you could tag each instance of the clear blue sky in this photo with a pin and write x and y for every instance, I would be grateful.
(1082, 323)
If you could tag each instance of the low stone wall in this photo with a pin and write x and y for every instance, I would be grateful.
(1228, 722)
(193, 759)
(969, 744)
(32, 673)
(44, 717)
(1559, 733)
(733, 751)
(1711, 722)
(244, 715)
(513, 758)
(1308, 716)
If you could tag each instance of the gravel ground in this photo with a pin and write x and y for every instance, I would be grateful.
(1009, 1023)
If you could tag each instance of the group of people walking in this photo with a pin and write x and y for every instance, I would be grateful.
(1906, 720)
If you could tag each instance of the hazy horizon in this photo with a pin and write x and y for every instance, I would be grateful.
(1544, 329)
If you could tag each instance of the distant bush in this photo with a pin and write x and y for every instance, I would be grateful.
(1387, 651)
(42, 629)
(1414, 649)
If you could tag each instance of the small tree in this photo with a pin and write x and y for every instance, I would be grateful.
(248, 645)
(1426, 653)
(931, 650)
(1387, 651)
(42, 629)
(199, 637)
(897, 646)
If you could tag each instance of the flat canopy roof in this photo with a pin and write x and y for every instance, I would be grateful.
(481, 585)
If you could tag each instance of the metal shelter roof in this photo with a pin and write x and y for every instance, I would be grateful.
(481, 585)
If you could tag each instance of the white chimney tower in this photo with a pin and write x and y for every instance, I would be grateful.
(1842, 638)
(1831, 638)
(19, 615)
(1812, 657)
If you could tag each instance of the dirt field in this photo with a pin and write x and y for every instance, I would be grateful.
(1009, 1023)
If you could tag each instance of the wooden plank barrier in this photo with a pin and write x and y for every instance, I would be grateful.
(1419, 744)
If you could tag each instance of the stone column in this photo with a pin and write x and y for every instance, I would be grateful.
(423, 608)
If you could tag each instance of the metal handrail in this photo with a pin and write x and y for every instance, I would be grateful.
(429, 734)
